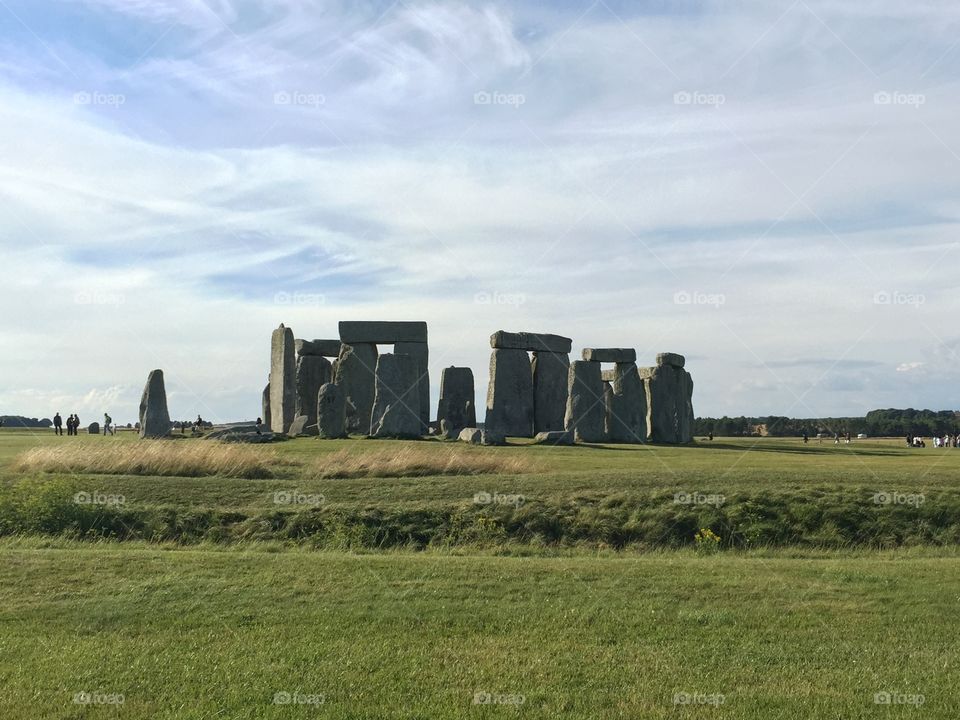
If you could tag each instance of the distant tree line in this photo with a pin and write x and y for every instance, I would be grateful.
(18, 421)
(877, 423)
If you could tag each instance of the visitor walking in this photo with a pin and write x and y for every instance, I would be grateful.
(58, 424)
(107, 420)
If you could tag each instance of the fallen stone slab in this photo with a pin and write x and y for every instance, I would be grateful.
(299, 426)
(471, 435)
(242, 434)
(491, 437)
(382, 332)
(610, 355)
(672, 359)
(323, 348)
(532, 342)
(554, 437)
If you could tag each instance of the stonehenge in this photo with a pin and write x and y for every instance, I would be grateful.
(534, 389)
(154, 416)
(456, 406)
(669, 391)
(525, 396)
(396, 405)
(283, 396)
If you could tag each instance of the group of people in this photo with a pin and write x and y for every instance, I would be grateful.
(940, 442)
(73, 424)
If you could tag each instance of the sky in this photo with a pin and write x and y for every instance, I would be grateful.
(769, 188)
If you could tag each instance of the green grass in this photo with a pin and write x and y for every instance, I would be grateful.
(203, 634)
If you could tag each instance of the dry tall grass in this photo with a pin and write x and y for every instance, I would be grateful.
(181, 459)
(418, 460)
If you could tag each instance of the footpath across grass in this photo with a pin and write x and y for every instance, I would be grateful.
(202, 634)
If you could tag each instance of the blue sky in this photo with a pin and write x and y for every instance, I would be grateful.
(769, 188)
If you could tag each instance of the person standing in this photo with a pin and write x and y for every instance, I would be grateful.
(76, 424)
(70, 424)
(107, 420)
(58, 424)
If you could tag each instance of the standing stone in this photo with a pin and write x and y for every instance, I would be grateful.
(396, 405)
(331, 412)
(456, 405)
(669, 391)
(94, 428)
(299, 426)
(265, 404)
(628, 405)
(550, 377)
(510, 394)
(586, 411)
(420, 353)
(154, 416)
(313, 371)
(607, 407)
(355, 376)
(283, 391)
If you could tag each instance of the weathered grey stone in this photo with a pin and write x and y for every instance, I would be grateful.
(324, 348)
(490, 436)
(355, 376)
(554, 437)
(94, 428)
(471, 435)
(672, 359)
(510, 394)
(669, 392)
(627, 408)
(446, 430)
(331, 412)
(241, 434)
(313, 371)
(586, 411)
(456, 405)
(382, 332)
(421, 355)
(265, 404)
(610, 355)
(396, 405)
(534, 342)
(550, 377)
(283, 369)
(154, 416)
(608, 375)
(299, 426)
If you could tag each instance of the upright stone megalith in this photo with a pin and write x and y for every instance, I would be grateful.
(313, 371)
(456, 405)
(627, 410)
(396, 405)
(510, 394)
(420, 353)
(550, 378)
(331, 412)
(265, 404)
(669, 392)
(283, 390)
(355, 373)
(586, 409)
(154, 416)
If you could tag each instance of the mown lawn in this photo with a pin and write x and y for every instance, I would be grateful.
(205, 633)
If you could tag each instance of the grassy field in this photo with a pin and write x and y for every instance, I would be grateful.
(578, 591)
